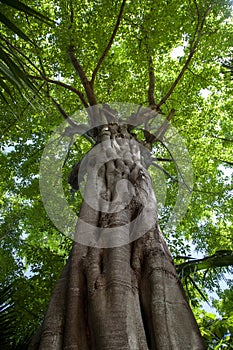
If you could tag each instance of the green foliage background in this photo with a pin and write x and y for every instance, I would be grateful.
(33, 252)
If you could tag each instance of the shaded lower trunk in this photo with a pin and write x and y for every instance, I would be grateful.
(126, 297)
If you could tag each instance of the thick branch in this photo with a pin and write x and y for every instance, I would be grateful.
(151, 72)
(151, 89)
(220, 259)
(142, 116)
(66, 86)
(163, 159)
(79, 70)
(109, 43)
(193, 49)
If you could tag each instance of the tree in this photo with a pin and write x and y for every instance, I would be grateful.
(131, 42)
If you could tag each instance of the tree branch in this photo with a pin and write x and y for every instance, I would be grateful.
(163, 159)
(151, 89)
(224, 161)
(79, 70)
(73, 128)
(222, 139)
(221, 258)
(164, 171)
(109, 43)
(66, 86)
(76, 128)
(163, 128)
(178, 169)
(151, 72)
(193, 48)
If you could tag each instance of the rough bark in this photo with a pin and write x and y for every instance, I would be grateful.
(127, 297)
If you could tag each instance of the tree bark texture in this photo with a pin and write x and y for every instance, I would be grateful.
(127, 297)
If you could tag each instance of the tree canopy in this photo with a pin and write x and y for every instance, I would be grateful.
(171, 54)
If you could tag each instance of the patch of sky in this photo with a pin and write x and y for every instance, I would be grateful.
(13, 145)
(178, 51)
(205, 93)
(227, 172)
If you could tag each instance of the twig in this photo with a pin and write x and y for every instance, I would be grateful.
(79, 70)
(198, 17)
(178, 169)
(71, 12)
(193, 48)
(222, 139)
(164, 171)
(198, 75)
(163, 159)
(104, 54)
(224, 161)
(198, 289)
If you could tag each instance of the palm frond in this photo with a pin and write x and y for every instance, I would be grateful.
(10, 25)
(8, 339)
(18, 5)
(11, 63)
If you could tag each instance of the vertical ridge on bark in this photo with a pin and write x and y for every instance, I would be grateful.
(127, 297)
(76, 329)
(172, 324)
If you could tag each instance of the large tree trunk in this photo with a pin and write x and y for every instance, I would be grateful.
(127, 296)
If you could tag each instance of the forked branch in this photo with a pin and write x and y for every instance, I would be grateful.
(104, 54)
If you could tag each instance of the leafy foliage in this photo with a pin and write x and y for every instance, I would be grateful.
(217, 332)
(151, 38)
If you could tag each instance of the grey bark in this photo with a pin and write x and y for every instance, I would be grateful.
(127, 297)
